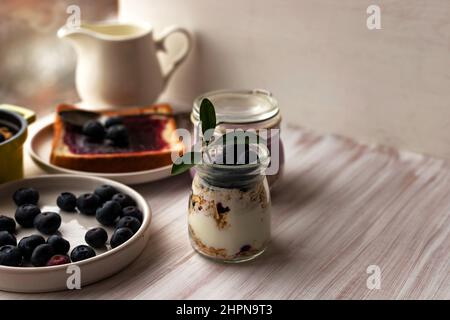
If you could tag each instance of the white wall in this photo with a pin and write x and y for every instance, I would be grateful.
(390, 86)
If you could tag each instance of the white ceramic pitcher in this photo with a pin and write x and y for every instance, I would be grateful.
(118, 64)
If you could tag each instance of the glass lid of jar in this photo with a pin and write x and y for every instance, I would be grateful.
(242, 106)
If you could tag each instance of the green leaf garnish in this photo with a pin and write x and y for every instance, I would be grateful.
(207, 117)
(186, 162)
(209, 122)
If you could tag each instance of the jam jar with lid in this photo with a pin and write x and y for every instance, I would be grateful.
(247, 110)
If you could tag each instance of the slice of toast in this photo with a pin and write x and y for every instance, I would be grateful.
(151, 136)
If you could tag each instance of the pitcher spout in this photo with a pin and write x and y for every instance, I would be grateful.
(76, 35)
(68, 32)
(106, 31)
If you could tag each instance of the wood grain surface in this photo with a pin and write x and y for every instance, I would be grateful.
(340, 208)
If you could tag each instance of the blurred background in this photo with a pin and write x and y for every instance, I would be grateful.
(327, 69)
(37, 68)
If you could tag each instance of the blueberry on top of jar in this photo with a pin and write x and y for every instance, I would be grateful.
(26, 196)
(94, 130)
(2, 138)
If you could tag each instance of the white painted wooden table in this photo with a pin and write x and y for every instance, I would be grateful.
(341, 208)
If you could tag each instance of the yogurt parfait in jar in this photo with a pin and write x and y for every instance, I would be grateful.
(229, 208)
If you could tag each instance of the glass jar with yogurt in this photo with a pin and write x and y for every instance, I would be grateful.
(247, 110)
(230, 207)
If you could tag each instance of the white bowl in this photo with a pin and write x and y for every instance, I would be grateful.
(73, 228)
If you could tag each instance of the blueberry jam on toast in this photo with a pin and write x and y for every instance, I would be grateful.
(118, 141)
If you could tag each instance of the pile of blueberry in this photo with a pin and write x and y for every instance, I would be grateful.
(110, 208)
(113, 131)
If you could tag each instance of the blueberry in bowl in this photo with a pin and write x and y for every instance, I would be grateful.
(108, 213)
(26, 196)
(28, 244)
(10, 256)
(124, 200)
(58, 260)
(25, 215)
(47, 244)
(96, 238)
(47, 222)
(105, 192)
(59, 244)
(133, 212)
(41, 255)
(88, 203)
(81, 253)
(7, 224)
(7, 238)
(129, 222)
(120, 236)
(67, 202)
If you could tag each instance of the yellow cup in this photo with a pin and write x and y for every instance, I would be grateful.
(15, 119)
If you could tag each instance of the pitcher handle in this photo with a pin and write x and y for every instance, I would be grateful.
(160, 45)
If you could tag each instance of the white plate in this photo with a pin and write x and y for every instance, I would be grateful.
(73, 228)
(39, 147)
